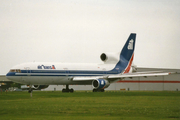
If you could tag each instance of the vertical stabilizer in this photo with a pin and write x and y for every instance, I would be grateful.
(126, 55)
(129, 47)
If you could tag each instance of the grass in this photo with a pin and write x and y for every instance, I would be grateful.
(87, 105)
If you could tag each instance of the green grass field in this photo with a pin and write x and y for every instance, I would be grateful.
(85, 105)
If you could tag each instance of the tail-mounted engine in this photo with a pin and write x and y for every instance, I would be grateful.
(100, 84)
(109, 57)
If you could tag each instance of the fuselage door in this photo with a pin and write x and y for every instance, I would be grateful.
(28, 70)
(67, 73)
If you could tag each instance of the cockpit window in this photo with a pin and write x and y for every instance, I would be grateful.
(15, 70)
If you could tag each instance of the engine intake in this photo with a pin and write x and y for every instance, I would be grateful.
(103, 57)
(109, 57)
(38, 87)
(100, 83)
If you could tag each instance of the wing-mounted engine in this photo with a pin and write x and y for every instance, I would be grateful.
(39, 87)
(109, 57)
(99, 84)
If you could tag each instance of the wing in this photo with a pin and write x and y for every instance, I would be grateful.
(113, 78)
(139, 74)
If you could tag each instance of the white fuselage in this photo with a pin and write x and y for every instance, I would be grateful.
(57, 73)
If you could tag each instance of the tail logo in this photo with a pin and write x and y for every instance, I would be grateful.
(130, 45)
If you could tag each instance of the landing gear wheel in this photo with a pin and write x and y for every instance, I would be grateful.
(63, 90)
(29, 91)
(102, 90)
(71, 90)
(67, 89)
(96, 90)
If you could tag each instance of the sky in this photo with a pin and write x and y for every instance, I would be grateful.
(78, 31)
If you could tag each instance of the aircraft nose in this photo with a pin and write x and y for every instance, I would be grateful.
(10, 74)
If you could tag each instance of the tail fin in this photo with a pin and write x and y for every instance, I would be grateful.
(128, 48)
(126, 55)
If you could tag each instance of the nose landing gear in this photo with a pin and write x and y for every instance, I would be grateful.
(30, 90)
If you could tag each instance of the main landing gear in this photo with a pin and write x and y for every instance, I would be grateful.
(96, 90)
(67, 89)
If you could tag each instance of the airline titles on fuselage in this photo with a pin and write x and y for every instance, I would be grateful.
(46, 67)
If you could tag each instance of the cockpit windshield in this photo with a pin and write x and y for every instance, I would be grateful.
(15, 70)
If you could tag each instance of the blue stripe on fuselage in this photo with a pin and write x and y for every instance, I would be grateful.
(61, 73)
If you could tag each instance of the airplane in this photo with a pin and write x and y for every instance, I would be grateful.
(115, 67)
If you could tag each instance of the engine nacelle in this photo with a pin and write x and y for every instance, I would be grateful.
(100, 84)
(39, 87)
(109, 57)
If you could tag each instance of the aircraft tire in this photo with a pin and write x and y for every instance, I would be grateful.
(64, 90)
(71, 90)
(102, 90)
(67, 90)
(29, 91)
(94, 90)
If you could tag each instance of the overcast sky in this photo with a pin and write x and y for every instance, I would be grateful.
(79, 31)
